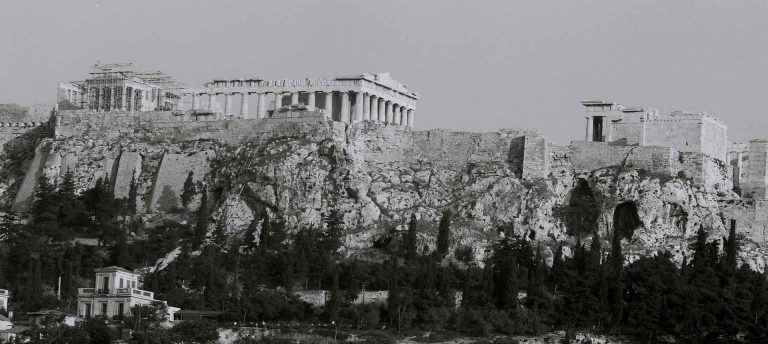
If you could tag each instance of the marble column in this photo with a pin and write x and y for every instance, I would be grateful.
(397, 114)
(359, 108)
(211, 99)
(366, 107)
(294, 98)
(99, 92)
(382, 110)
(345, 107)
(389, 111)
(228, 104)
(244, 105)
(589, 129)
(195, 101)
(111, 98)
(374, 108)
(311, 100)
(261, 107)
(278, 100)
(410, 118)
(328, 105)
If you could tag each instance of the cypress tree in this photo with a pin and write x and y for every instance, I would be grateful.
(731, 250)
(335, 301)
(133, 195)
(44, 212)
(188, 191)
(444, 234)
(409, 240)
(201, 225)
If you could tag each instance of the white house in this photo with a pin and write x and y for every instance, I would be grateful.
(116, 290)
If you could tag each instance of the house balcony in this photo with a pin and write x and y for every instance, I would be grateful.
(116, 292)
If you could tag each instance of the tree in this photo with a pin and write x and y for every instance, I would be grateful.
(201, 225)
(409, 250)
(133, 195)
(731, 248)
(504, 269)
(198, 331)
(44, 212)
(188, 191)
(444, 234)
(144, 317)
(167, 201)
(335, 301)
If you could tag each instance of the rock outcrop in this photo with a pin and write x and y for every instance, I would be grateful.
(377, 175)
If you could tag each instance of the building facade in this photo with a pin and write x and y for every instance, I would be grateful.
(116, 290)
(366, 97)
(119, 86)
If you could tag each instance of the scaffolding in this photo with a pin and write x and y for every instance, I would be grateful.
(112, 87)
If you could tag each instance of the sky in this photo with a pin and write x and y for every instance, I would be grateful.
(477, 65)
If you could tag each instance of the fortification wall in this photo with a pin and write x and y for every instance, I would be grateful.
(751, 217)
(128, 169)
(173, 172)
(713, 174)
(151, 125)
(526, 152)
(625, 133)
(589, 156)
(685, 136)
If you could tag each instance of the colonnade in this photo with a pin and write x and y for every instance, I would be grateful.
(355, 106)
(118, 98)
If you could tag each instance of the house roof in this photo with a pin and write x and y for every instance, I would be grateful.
(113, 269)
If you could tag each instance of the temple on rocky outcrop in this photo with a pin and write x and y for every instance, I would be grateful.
(122, 87)
(366, 97)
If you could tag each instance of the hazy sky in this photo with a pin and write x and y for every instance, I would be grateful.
(478, 65)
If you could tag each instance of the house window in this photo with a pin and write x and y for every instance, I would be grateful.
(104, 306)
(87, 311)
(133, 284)
(105, 284)
(121, 283)
(120, 310)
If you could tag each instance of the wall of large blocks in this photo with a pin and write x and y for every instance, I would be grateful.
(688, 135)
(589, 156)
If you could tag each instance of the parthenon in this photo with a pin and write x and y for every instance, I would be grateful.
(374, 97)
(120, 86)
(364, 97)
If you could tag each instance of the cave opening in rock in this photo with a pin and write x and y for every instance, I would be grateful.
(626, 219)
(581, 213)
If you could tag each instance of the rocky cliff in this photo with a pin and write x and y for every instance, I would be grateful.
(377, 175)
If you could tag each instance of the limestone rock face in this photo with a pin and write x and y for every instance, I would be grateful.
(378, 175)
